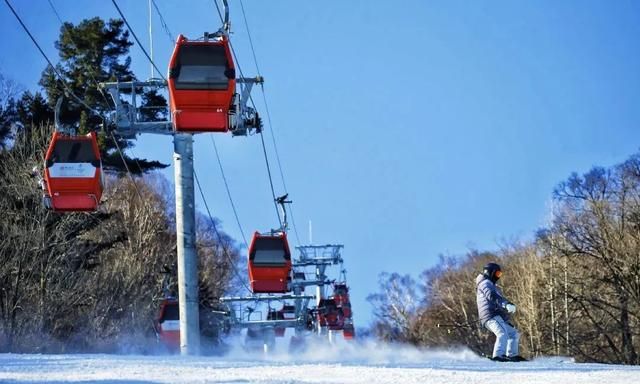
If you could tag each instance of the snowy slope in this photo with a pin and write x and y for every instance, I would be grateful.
(369, 363)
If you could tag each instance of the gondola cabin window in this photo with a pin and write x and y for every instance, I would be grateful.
(201, 67)
(273, 257)
(73, 159)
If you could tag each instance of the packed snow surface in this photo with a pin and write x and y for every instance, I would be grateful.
(358, 363)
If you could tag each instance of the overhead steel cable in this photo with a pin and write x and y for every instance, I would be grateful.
(226, 185)
(124, 162)
(53, 68)
(264, 148)
(163, 23)
(215, 2)
(272, 130)
(218, 235)
(273, 192)
(137, 40)
(55, 11)
(246, 24)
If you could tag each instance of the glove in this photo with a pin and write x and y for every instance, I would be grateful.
(511, 308)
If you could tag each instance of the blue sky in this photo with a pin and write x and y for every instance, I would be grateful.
(405, 129)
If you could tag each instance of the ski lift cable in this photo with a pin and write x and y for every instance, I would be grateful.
(273, 192)
(163, 22)
(293, 221)
(124, 162)
(215, 2)
(215, 230)
(53, 68)
(264, 149)
(137, 40)
(55, 11)
(226, 185)
(266, 106)
(246, 23)
(133, 181)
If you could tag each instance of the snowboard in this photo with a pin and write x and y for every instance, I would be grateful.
(517, 359)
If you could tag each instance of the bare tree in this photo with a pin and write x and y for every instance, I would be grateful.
(598, 225)
(9, 91)
(395, 306)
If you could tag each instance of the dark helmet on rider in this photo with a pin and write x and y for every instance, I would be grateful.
(492, 271)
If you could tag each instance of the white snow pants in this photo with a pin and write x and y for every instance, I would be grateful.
(507, 337)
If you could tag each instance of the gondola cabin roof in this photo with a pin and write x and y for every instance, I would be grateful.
(201, 84)
(73, 172)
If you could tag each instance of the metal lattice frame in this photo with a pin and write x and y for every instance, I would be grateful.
(126, 117)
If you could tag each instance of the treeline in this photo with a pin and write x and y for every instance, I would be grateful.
(576, 285)
(89, 281)
(92, 281)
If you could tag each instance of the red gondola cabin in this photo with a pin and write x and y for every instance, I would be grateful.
(269, 263)
(341, 297)
(329, 315)
(202, 84)
(73, 172)
(168, 324)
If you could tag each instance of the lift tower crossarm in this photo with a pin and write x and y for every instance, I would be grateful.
(230, 299)
(126, 116)
(247, 118)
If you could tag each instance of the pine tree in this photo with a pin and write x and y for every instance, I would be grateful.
(33, 111)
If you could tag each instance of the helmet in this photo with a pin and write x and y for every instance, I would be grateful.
(492, 271)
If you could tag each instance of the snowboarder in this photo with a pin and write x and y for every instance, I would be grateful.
(493, 311)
